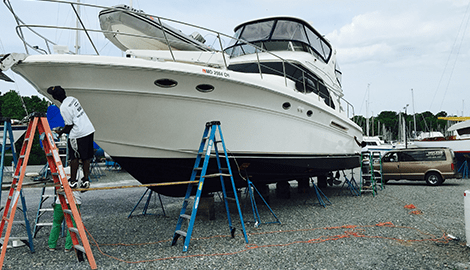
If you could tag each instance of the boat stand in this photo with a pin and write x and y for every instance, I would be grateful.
(464, 169)
(95, 169)
(144, 211)
(351, 185)
(319, 194)
(250, 191)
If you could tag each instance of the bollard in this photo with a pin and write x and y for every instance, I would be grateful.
(467, 215)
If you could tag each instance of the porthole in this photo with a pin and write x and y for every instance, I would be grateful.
(166, 83)
(286, 105)
(309, 113)
(205, 88)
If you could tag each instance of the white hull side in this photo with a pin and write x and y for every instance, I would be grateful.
(16, 135)
(135, 118)
(456, 145)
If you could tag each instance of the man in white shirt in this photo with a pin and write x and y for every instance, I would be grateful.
(80, 130)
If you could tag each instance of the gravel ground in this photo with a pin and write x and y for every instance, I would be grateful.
(364, 232)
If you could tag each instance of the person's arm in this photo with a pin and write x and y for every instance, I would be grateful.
(65, 130)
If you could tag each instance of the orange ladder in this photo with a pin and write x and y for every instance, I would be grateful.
(64, 192)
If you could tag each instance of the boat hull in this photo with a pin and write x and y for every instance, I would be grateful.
(154, 132)
(261, 169)
(18, 131)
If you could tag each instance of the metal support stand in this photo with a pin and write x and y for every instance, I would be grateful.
(464, 169)
(144, 211)
(95, 169)
(351, 185)
(257, 220)
(320, 195)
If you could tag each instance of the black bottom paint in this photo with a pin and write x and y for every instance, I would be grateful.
(261, 169)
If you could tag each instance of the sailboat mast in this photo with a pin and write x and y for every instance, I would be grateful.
(414, 113)
(77, 34)
(367, 111)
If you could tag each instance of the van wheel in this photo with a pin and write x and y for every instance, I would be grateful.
(433, 179)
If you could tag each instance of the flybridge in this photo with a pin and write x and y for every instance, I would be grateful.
(279, 34)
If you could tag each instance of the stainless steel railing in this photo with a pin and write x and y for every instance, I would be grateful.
(218, 40)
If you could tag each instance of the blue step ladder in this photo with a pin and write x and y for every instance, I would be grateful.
(208, 144)
(8, 133)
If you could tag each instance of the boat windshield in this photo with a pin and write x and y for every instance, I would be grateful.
(279, 34)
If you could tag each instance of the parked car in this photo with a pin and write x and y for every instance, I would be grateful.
(433, 165)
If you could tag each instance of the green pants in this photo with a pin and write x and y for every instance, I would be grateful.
(56, 226)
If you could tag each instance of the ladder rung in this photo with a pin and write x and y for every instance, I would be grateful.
(46, 210)
(230, 199)
(68, 211)
(16, 238)
(48, 196)
(73, 229)
(80, 248)
(182, 233)
(186, 216)
(19, 222)
(44, 224)
(217, 175)
(49, 155)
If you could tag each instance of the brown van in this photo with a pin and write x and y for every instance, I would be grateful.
(433, 165)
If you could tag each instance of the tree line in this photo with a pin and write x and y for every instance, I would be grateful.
(14, 106)
(387, 124)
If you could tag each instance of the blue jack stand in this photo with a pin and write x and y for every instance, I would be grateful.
(351, 185)
(144, 211)
(464, 169)
(257, 220)
(320, 195)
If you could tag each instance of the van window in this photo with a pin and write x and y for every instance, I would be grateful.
(391, 157)
(432, 155)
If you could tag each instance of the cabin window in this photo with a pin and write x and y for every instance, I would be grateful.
(257, 31)
(305, 81)
(319, 45)
(289, 30)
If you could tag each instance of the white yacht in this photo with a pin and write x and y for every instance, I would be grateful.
(276, 89)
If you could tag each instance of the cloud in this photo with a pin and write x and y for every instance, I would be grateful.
(388, 34)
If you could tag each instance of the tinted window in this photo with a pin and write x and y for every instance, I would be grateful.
(391, 157)
(432, 155)
(289, 30)
(257, 31)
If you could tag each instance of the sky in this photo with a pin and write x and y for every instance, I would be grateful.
(392, 53)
